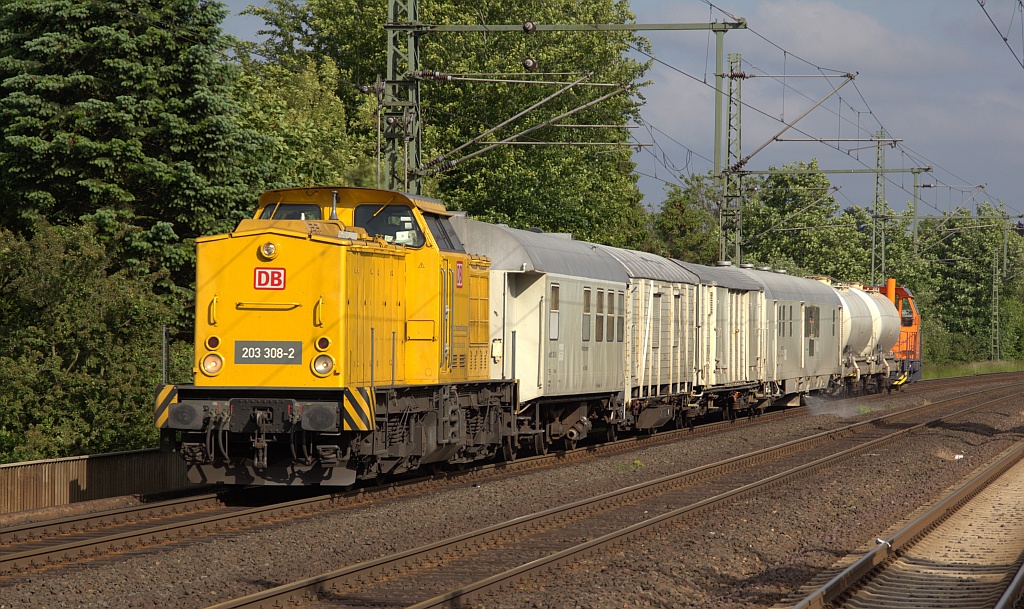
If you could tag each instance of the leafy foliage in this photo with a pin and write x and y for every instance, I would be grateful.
(304, 125)
(79, 346)
(588, 191)
(123, 105)
(687, 223)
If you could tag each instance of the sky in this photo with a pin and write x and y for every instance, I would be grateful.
(935, 75)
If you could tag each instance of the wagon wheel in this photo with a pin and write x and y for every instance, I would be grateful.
(611, 433)
(540, 446)
(679, 421)
(568, 444)
(509, 447)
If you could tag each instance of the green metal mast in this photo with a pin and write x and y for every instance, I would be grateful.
(402, 117)
(729, 219)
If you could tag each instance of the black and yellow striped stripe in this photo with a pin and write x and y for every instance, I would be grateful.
(165, 396)
(357, 410)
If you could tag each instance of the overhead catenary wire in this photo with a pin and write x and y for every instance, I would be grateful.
(854, 117)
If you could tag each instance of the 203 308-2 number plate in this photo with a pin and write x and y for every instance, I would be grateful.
(268, 352)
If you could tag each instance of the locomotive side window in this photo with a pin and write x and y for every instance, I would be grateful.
(291, 211)
(586, 314)
(599, 332)
(553, 313)
(444, 234)
(395, 223)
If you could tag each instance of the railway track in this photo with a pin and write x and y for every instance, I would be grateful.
(463, 568)
(57, 542)
(84, 537)
(962, 553)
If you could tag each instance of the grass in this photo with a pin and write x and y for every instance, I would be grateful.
(939, 371)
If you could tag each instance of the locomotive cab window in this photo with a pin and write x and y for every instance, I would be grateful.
(291, 211)
(395, 223)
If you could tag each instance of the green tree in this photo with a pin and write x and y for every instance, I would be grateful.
(587, 190)
(79, 346)
(123, 105)
(303, 121)
(687, 223)
(792, 221)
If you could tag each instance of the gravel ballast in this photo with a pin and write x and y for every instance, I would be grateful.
(751, 554)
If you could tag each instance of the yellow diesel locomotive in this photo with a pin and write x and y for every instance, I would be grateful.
(341, 333)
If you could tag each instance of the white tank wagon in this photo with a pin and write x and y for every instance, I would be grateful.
(870, 329)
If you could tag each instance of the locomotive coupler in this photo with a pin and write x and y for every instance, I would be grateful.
(330, 455)
(195, 453)
(263, 417)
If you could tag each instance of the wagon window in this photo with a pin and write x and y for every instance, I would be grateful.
(553, 313)
(611, 316)
(586, 314)
(621, 318)
(812, 322)
(599, 331)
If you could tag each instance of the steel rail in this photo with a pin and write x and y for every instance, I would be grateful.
(384, 567)
(37, 556)
(81, 549)
(32, 531)
(886, 551)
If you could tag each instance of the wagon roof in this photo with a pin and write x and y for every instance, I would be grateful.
(513, 249)
(641, 265)
(780, 286)
(723, 276)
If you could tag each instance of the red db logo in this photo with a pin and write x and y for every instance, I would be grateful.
(458, 273)
(269, 279)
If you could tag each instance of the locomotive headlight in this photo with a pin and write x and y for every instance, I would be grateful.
(323, 364)
(212, 364)
(269, 250)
